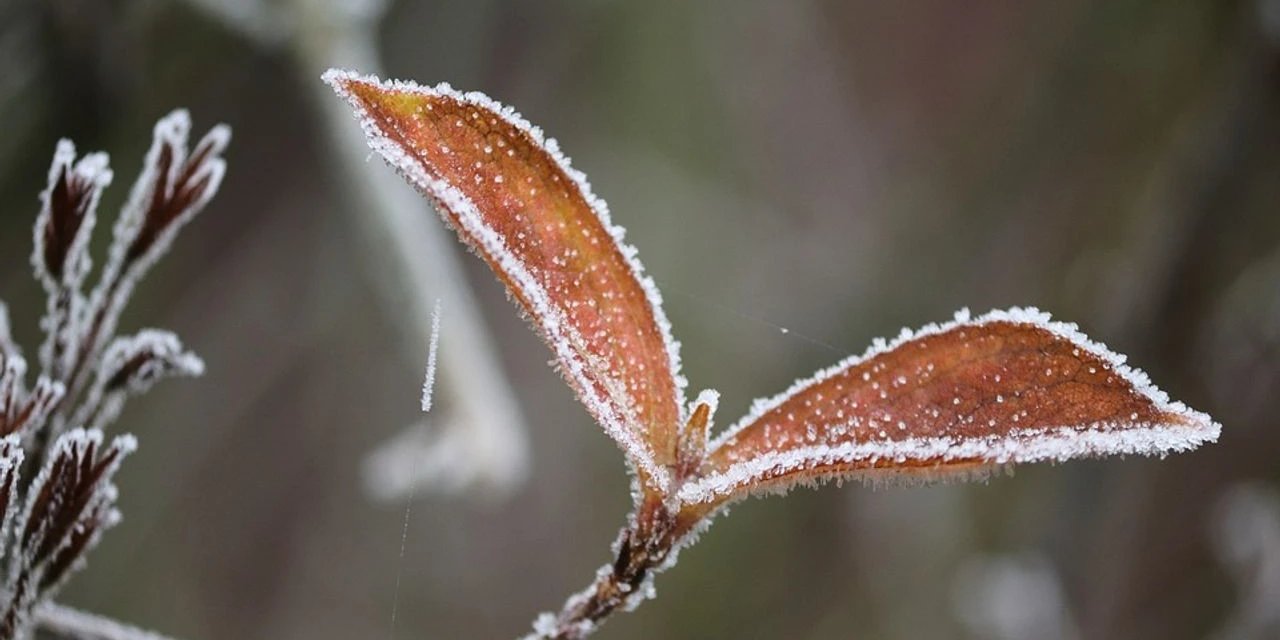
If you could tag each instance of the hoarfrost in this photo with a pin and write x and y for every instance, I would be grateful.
(1056, 445)
(1021, 315)
(130, 366)
(74, 623)
(68, 205)
(11, 457)
(848, 447)
(709, 397)
(591, 375)
(69, 504)
(449, 457)
(429, 380)
(171, 190)
(60, 255)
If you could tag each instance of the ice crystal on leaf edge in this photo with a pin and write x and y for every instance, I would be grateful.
(561, 335)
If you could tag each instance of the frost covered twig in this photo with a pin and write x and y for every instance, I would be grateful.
(175, 184)
(952, 400)
(57, 491)
(82, 625)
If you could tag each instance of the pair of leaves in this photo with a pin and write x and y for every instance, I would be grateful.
(952, 399)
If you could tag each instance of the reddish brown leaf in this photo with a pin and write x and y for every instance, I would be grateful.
(1008, 387)
(516, 201)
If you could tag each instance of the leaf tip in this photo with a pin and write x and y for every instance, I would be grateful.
(341, 79)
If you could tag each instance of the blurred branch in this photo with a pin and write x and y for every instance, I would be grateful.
(1246, 535)
(480, 445)
(1012, 597)
(80, 625)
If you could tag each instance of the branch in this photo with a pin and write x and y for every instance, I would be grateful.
(481, 444)
(81, 625)
(645, 547)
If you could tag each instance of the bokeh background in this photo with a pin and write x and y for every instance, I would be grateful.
(835, 169)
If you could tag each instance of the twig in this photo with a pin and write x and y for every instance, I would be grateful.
(81, 625)
(644, 548)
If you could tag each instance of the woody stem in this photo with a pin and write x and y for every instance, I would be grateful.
(642, 547)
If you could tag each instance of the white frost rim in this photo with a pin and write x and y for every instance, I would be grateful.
(469, 216)
(1019, 315)
(1057, 444)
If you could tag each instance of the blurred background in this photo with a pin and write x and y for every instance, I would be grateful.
(799, 178)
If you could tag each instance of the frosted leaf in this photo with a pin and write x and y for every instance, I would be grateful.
(20, 410)
(11, 456)
(60, 257)
(131, 365)
(173, 187)
(976, 394)
(69, 504)
(68, 211)
(52, 520)
(693, 437)
(549, 239)
(135, 363)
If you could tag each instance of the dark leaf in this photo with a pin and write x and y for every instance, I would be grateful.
(67, 216)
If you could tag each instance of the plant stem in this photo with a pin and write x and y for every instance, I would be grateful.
(642, 549)
(66, 622)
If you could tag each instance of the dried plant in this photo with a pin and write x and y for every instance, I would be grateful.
(956, 400)
(57, 494)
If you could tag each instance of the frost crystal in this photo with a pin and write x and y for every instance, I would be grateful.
(53, 520)
(131, 366)
(429, 381)
(957, 400)
(70, 503)
(549, 239)
(172, 188)
(969, 394)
